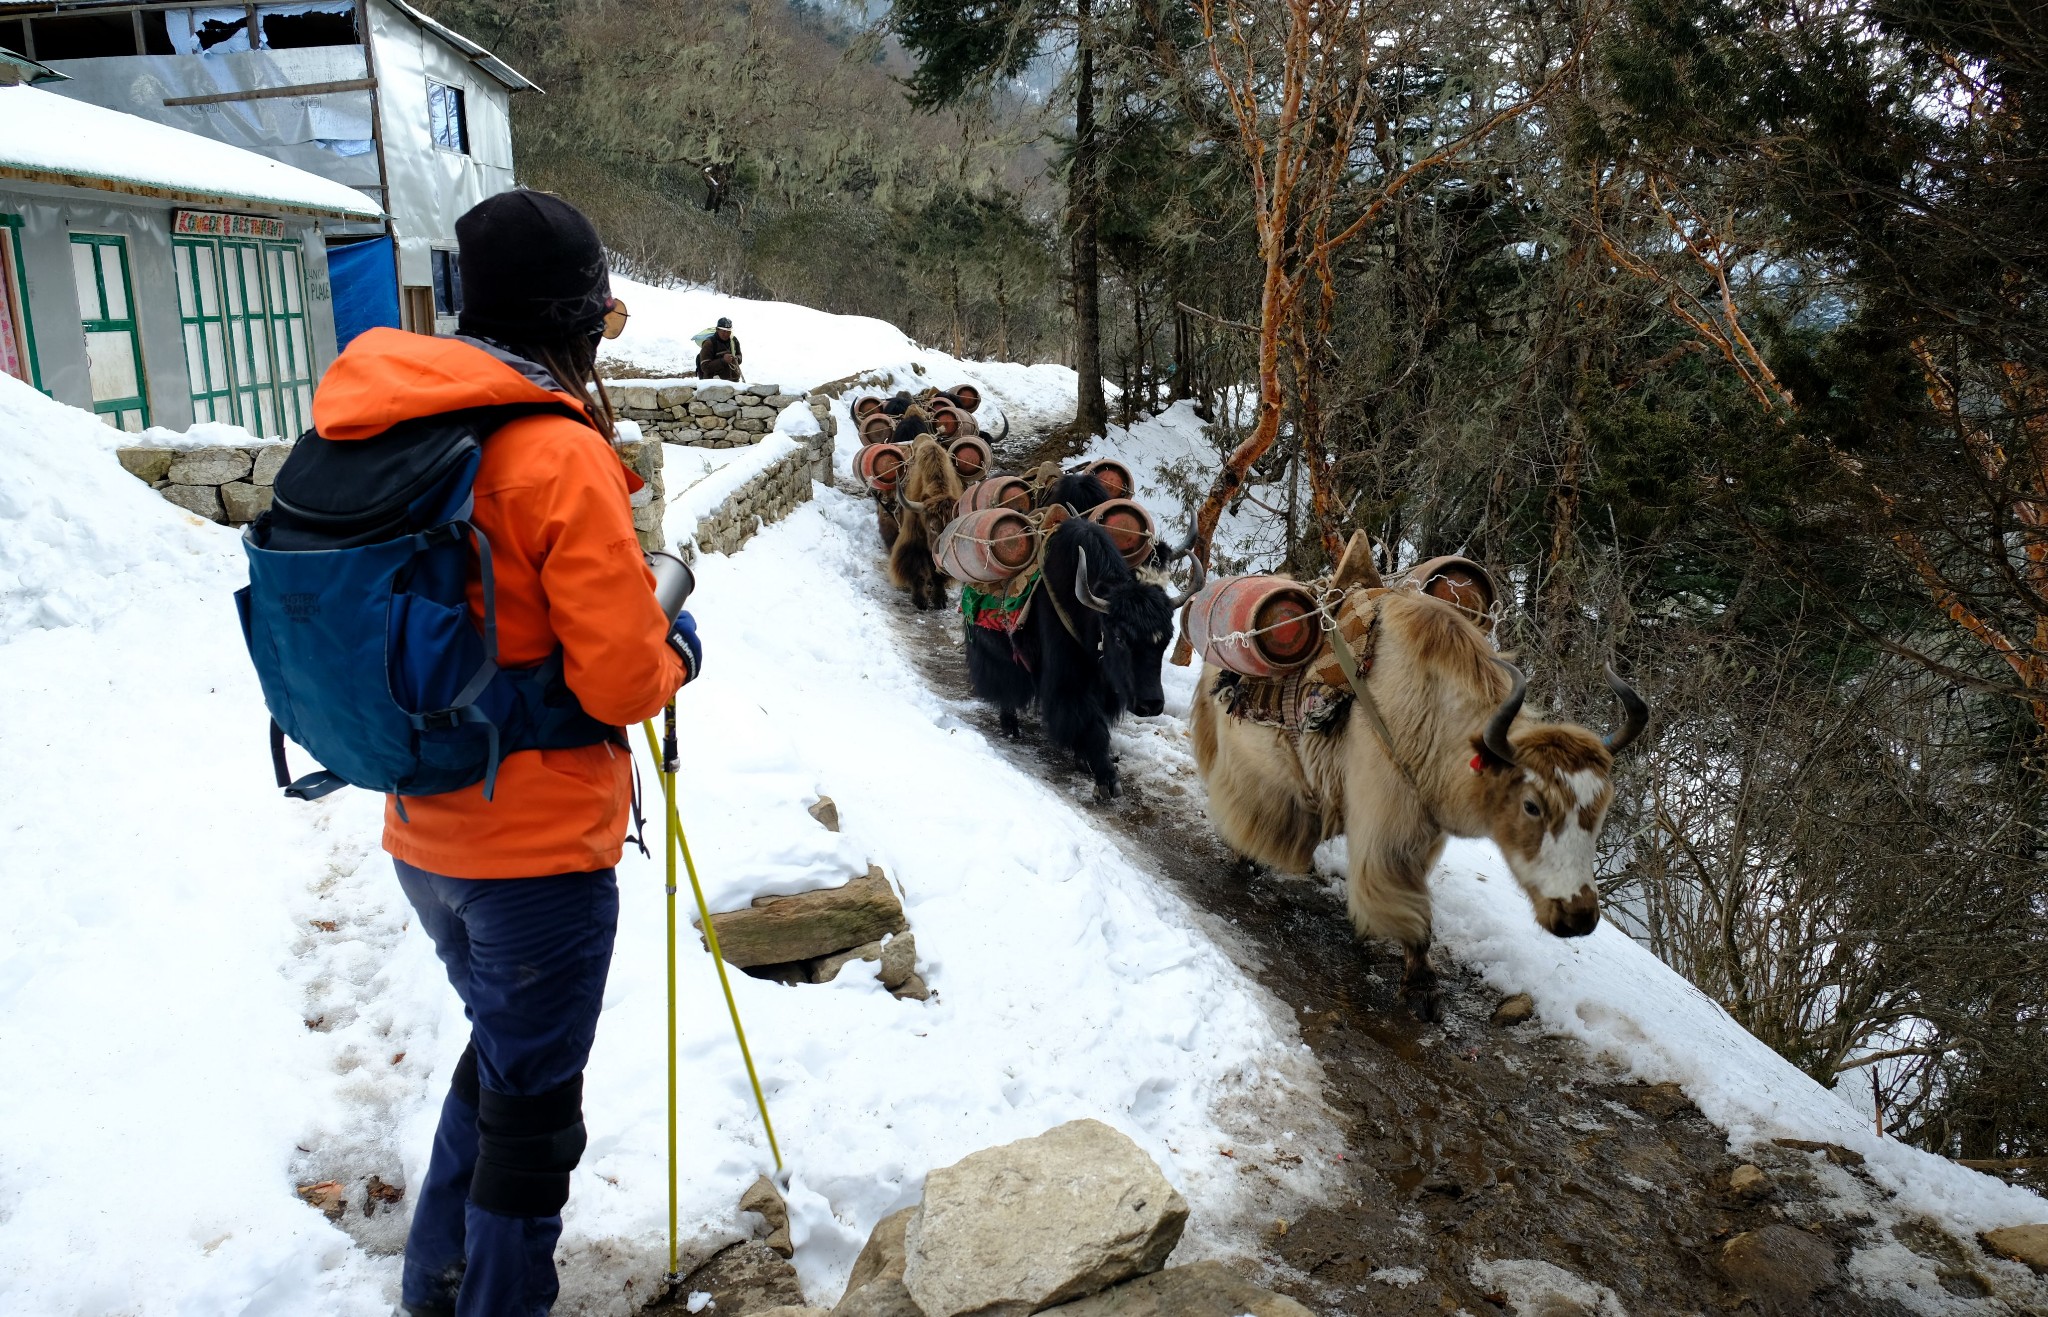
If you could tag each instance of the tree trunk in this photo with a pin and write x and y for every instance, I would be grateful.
(1091, 410)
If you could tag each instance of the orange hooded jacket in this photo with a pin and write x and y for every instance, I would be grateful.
(554, 500)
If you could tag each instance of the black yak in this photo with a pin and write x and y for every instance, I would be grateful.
(1090, 648)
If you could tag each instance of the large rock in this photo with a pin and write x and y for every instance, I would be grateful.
(792, 1312)
(716, 393)
(149, 464)
(743, 1280)
(875, 1287)
(882, 1298)
(1779, 1263)
(208, 466)
(202, 499)
(778, 929)
(1206, 1289)
(245, 502)
(675, 395)
(269, 461)
(634, 397)
(1011, 1230)
(2028, 1244)
(764, 1199)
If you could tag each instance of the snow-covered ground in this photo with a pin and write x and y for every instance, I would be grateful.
(219, 995)
(210, 994)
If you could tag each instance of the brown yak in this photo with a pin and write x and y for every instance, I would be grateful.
(1538, 790)
(928, 489)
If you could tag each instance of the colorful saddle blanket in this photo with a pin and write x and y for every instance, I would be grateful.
(1295, 703)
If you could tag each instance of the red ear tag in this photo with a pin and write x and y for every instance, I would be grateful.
(1476, 763)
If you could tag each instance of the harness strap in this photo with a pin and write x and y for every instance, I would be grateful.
(310, 787)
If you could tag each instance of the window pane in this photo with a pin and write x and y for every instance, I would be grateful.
(112, 355)
(115, 282)
(195, 359)
(209, 281)
(216, 360)
(234, 285)
(259, 355)
(302, 359)
(131, 422)
(267, 406)
(84, 270)
(292, 281)
(181, 261)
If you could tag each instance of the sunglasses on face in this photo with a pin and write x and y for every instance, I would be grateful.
(615, 318)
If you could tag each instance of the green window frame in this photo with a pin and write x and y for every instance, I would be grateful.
(14, 274)
(204, 321)
(106, 312)
(252, 320)
(291, 354)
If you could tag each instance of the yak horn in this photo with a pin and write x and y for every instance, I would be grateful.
(1006, 429)
(1196, 578)
(1179, 551)
(1495, 737)
(1635, 714)
(909, 502)
(1081, 590)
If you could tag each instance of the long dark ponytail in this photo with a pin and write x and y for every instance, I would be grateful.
(574, 366)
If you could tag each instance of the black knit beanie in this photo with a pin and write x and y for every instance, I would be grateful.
(533, 270)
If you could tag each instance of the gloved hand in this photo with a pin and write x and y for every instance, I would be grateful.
(682, 637)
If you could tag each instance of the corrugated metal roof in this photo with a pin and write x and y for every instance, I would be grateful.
(46, 138)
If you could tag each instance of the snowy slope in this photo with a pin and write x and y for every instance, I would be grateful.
(219, 996)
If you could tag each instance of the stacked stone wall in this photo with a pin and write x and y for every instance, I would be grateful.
(766, 498)
(223, 483)
(710, 413)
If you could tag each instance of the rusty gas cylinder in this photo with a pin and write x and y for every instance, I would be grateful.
(862, 406)
(1115, 477)
(878, 466)
(1012, 492)
(877, 428)
(971, 457)
(1129, 526)
(1458, 581)
(987, 546)
(968, 396)
(951, 421)
(1257, 626)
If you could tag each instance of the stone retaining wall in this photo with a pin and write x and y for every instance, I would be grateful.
(765, 498)
(230, 485)
(710, 413)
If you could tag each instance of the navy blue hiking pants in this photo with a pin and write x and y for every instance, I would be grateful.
(528, 957)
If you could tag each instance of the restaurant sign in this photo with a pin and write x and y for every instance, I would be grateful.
(218, 224)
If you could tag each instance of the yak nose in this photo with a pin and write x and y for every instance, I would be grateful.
(1150, 708)
(1576, 917)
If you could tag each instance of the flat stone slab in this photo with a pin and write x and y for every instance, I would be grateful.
(779, 929)
(2028, 1244)
(1019, 1228)
(1206, 1289)
(208, 466)
(1779, 1262)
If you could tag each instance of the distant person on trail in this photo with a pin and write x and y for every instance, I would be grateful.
(718, 353)
(519, 891)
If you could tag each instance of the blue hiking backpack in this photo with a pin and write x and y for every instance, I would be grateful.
(357, 617)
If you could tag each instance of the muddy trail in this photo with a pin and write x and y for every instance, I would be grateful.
(1470, 1142)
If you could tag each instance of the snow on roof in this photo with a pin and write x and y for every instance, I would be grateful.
(478, 56)
(46, 138)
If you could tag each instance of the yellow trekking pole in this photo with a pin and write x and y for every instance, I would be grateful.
(672, 585)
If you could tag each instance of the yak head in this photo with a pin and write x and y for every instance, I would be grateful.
(1546, 789)
(930, 487)
(1135, 615)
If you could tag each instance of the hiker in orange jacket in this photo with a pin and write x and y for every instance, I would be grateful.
(518, 892)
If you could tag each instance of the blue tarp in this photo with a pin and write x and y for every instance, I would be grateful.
(365, 284)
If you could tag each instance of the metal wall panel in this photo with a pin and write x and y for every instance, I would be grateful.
(430, 186)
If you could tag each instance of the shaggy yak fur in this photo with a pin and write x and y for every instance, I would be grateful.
(1437, 684)
(927, 478)
(1080, 683)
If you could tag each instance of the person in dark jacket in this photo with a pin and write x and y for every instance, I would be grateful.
(718, 357)
(519, 892)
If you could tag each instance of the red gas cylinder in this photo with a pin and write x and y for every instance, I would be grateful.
(1011, 492)
(1258, 626)
(950, 421)
(969, 396)
(1455, 580)
(862, 406)
(1115, 477)
(878, 465)
(1129, 525)
(971, 457)
(987, 546)
(877, 428)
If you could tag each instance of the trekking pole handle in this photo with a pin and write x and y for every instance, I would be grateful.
(673, 582)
